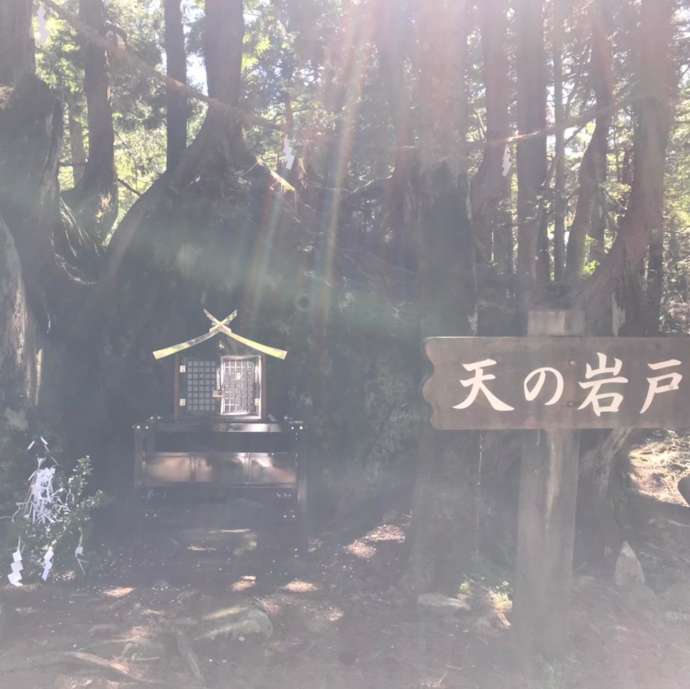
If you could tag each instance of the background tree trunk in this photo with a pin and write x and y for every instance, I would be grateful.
(94, 200)
(654, 98)
(444, 509)
(490, 191)
(618, 276)
(176, 61)
(594, 163)
(19, 364)
(559, 201)
(17, 49)
(76, 142)
(223, 32)
(444, 506)
(531, 73)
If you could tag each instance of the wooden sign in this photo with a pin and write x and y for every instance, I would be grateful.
(558, 382)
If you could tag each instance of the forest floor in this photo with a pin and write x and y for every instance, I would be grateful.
(236, 608)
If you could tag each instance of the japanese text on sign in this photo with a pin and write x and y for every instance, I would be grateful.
(564, 382)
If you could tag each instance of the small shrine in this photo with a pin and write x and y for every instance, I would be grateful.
(221, 433)
(220, 373)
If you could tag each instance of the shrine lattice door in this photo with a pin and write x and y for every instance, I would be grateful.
(240, 379)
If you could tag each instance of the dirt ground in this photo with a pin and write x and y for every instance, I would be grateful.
(190, 602)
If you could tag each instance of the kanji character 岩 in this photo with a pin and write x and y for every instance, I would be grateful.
(596, 396)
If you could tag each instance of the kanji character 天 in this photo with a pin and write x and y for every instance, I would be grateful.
(477, 384)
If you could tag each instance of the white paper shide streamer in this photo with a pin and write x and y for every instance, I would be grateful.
(15, 576)
(288, 154)
(43, 506)
(47, 563)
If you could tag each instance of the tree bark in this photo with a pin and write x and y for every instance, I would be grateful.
(444, 527)
(76, 142)
(444, 508)
(559, 203)
(30, 143)
(615, 286)
(531, 72)
(490, 191)
(17, 49)
(594, 162)
(223, 32)
(94, 200)
(20, 370)
(656, 85)
(176, 58)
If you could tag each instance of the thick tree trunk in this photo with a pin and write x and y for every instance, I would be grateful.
(76, 142)
(444, 504)
(176, 59)
(199, 235)
(19, 365)
(618, 277)
(593, 167)
(223, 32)
(17, 49)
(441, 98)
(531, 71)
(40, 369)
(656, 85)
(30, 143)
(94, 200)
(655, 281)
(444, 534)
(490, 192)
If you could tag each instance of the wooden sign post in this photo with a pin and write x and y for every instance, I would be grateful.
(553, 382)
(546, 519)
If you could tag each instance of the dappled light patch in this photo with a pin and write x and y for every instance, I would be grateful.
(386, 533)
(300, 586)
(223, 613)
(365, 549)
(243, 584)
(118, 592)
(194, 548)
(361, 549)
(334, 614)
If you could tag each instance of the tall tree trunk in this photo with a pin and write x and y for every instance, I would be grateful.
(94, 200)
(594, 162)
(655, 94)
(223, 32)
(655, 281)
(443, 539)
(76, 142)
(559, 205)
(490, 195)
(176, 59)
(531, 71)
(617, 277)
(444, 507)
(17, 49)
